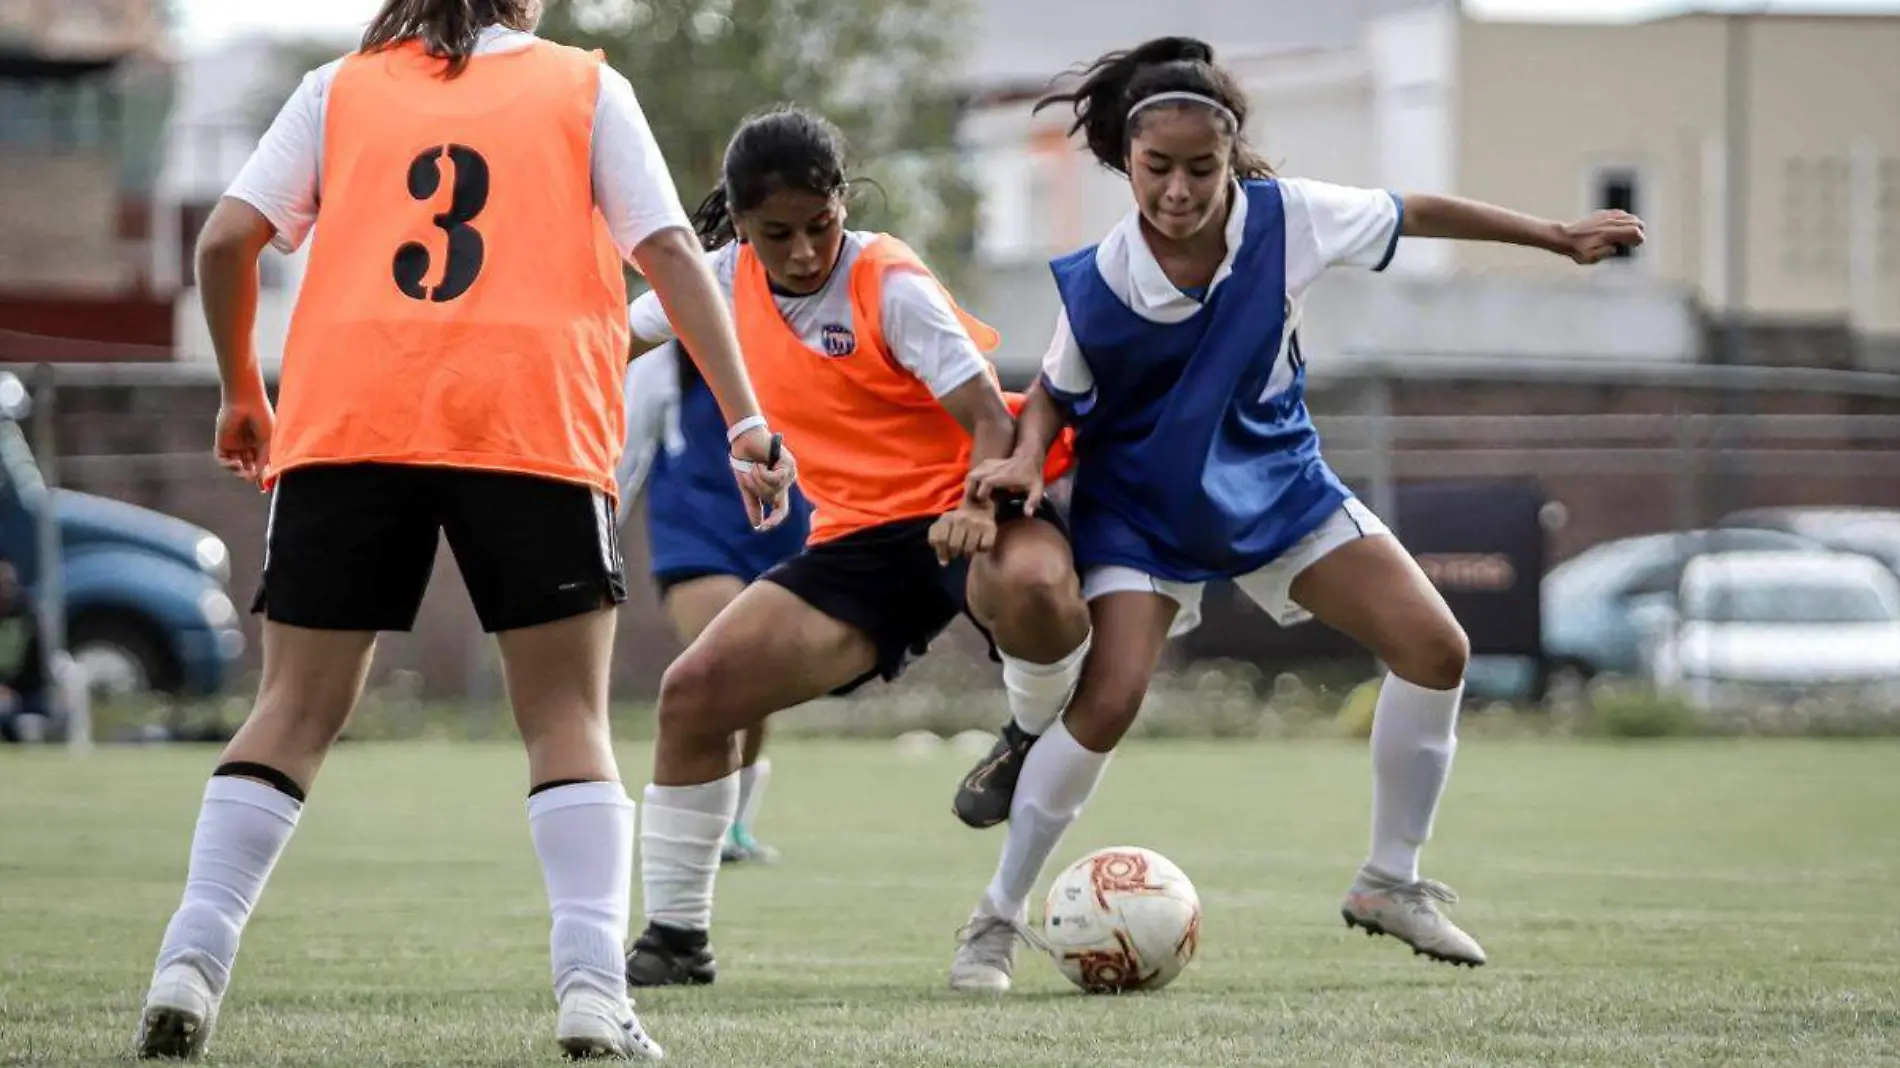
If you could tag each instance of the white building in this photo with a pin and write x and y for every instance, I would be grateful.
(1553, 119)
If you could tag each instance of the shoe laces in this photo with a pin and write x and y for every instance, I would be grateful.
(989, 939)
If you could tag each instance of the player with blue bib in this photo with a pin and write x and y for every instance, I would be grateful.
(1177, 362)
(702, 546)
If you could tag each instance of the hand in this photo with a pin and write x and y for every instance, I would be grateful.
(245, 422)
(968, 530)
(1011, 475)
(765, 471)
(1599, 234)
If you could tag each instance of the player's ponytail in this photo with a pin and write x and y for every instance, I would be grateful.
(712, 220)
(1107, 100)
(448, 29)
(785, 147)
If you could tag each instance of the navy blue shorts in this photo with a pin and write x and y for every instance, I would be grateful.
(704, 535)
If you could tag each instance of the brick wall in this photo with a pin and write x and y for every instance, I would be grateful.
(59, 222)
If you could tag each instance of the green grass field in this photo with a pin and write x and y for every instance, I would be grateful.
(1728, 904)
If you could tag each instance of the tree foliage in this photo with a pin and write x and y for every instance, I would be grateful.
(880, 69)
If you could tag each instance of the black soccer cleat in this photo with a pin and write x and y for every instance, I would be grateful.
(984, 795)
(670, 956)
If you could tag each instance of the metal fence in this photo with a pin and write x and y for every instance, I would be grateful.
(1616, 449)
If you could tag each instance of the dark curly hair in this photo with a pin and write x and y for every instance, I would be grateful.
(1115, 83)
(785, 147)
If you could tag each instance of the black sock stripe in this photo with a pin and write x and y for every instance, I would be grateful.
(264, 773)
(557, 784)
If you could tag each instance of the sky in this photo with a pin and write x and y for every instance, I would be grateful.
(211, 20)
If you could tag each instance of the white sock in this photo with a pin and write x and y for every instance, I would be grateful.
(680, 835)
(242, 828)
(752, 780)
(1414, 734)
(583, 834)
(1039, 692)
(1058, 777)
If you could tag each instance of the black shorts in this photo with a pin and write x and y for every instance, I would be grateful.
(352, 546)
(886, 582)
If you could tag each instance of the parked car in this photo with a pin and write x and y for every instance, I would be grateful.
(145, 594)
(1768, 628)
(1871, 532)
(1596, 604)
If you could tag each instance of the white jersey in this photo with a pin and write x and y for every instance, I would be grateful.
(632, 187)
(920, 326)
(653, 419)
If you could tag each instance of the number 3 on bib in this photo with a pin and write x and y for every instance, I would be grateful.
(467, 198)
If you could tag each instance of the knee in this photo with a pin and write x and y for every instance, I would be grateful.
(1435, 658)
(689, 697)
(1037, 584)
(1099, 718)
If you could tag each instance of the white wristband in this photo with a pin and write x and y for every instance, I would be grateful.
(738, 429)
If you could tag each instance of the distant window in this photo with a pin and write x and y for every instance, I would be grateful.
(1617, 189)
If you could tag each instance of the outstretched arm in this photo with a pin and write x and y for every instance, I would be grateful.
(1590, 239)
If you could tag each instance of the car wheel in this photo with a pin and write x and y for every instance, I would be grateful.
(121, 657)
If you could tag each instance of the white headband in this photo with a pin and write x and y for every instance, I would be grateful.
(1184, 97)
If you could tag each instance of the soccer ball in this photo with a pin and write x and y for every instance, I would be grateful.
(1121, 919)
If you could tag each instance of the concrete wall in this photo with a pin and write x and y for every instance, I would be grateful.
(1543, 106)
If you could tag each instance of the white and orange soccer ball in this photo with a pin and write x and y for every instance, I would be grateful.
(1122, 919)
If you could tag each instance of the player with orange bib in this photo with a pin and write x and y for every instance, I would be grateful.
(454, 366)
(879, 382)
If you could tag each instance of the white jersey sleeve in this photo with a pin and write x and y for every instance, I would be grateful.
(647, 320)
(632, 185)
(1337, 226)
(646, 317)
(925, 335)
(280, 177)
(1065, 371)
(652, 407)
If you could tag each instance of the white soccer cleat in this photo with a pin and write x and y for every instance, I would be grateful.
(986, 955)
(1409, 912)
(593, 1026)
(180, 1012)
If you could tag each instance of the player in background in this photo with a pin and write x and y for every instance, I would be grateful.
(880, 384)
(1176, 359)
(454, 365)
(703, 547)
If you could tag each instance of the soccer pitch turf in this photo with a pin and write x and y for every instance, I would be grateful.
(1729, 903)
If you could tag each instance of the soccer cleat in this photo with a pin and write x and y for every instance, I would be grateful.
(180, 1012)
(741, 848)
(984, 795)
(986, 954)
(665, 956)
(1409, 912)
(593, 1026)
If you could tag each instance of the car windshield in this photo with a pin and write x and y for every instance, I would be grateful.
(1809, 599)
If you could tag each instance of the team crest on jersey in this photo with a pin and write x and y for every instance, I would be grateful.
(838, 340)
